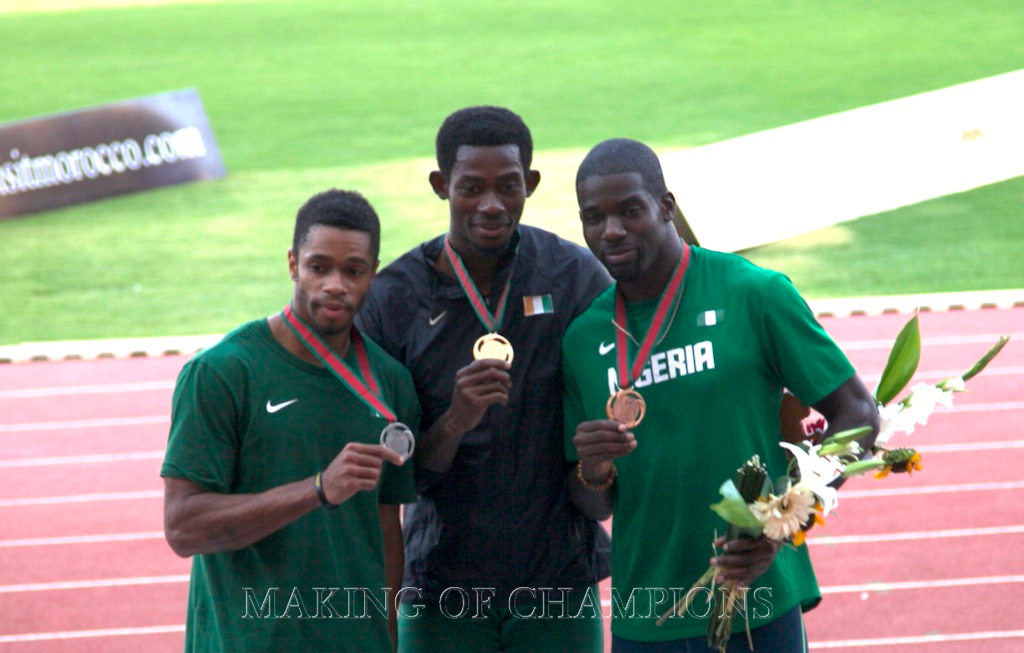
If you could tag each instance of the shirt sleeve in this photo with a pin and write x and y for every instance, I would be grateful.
(800, 352)
(203, 444)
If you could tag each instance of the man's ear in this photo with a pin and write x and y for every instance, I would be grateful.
(439, 184)
(532, 181)
(293, 265)
(668, 206)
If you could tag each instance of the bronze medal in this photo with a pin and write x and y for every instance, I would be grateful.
(397, 437)
(626, 406)
(493, 345)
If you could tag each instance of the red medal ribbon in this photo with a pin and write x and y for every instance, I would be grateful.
(476, 299)
(672, 295)
(366, 387)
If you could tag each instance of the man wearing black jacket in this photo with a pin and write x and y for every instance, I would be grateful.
(477, 315)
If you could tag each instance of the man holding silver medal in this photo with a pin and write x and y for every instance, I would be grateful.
(284, 469)
(674, 378)
(477, 316)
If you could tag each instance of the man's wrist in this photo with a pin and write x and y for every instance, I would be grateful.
(597, 486)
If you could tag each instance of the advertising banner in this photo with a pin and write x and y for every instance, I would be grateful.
(67, 158)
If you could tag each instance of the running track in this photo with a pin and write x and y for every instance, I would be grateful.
(925, 563)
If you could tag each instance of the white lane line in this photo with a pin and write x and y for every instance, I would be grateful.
(81, 498)
(82, 539)
(873, 538)
(109, 388)
(93, 584)
(82, 460)
(930, 489)
(118, 388)
(918, 639)
(79, 634)
(989, 339)
(961, 447)
(165, 419)
(936, 376)
(917, 584)
(84, 423)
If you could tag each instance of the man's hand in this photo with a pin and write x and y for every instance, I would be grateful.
(598, 443)
(743, 560)
(356, 469)
(478, 386)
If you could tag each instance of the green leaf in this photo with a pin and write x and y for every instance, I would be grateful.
(862, 467)
(733, 509)
(986, 359)
(903, 360)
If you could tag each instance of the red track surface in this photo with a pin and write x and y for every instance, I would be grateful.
(929, 562)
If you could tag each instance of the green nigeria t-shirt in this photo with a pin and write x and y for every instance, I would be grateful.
(248, 416)
(713, 388)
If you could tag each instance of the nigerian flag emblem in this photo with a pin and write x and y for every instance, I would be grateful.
(711, 318)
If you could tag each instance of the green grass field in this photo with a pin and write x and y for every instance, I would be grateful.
(304, 95)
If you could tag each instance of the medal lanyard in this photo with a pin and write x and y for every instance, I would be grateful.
(669, 300)
(368, 391)
(476, 299)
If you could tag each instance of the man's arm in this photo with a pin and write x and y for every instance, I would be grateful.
(478, 386)
(597, 443)
(849, 406)
(197, 521)
(394, 561)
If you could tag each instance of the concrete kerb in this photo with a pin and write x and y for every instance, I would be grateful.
(190, 345)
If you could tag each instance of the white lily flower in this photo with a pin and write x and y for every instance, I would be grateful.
(954, 384)
(816, 472)
(923, 399)
(894, 419)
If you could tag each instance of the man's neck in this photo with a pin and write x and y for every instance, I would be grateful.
(339, 343)
(482, 268)
(653, 285)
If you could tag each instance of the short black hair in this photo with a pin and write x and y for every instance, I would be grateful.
(343, 209)
(482, 126)
(618, 156)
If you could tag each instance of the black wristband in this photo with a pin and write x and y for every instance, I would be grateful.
(320, 493)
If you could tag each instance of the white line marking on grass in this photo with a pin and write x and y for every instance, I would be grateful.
(918, 639)
(81, 498)
(930, 489)
(92, 584)
(82, 460)
(918, 584)
(874, 538)
(110, 388)
(82, 539)
(78, 634)
(84, 423)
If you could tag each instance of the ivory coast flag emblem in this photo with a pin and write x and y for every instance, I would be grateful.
(537, 305)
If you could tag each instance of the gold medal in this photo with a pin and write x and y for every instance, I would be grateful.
(397, 437)
(626, 406)
(493, 345)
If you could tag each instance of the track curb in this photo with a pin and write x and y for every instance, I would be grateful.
(189, 345)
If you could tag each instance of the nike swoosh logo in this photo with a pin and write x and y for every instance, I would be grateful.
(437, 318)
(271, 408)
(604, 349)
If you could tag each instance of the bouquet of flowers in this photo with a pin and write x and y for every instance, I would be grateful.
(782, 510)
